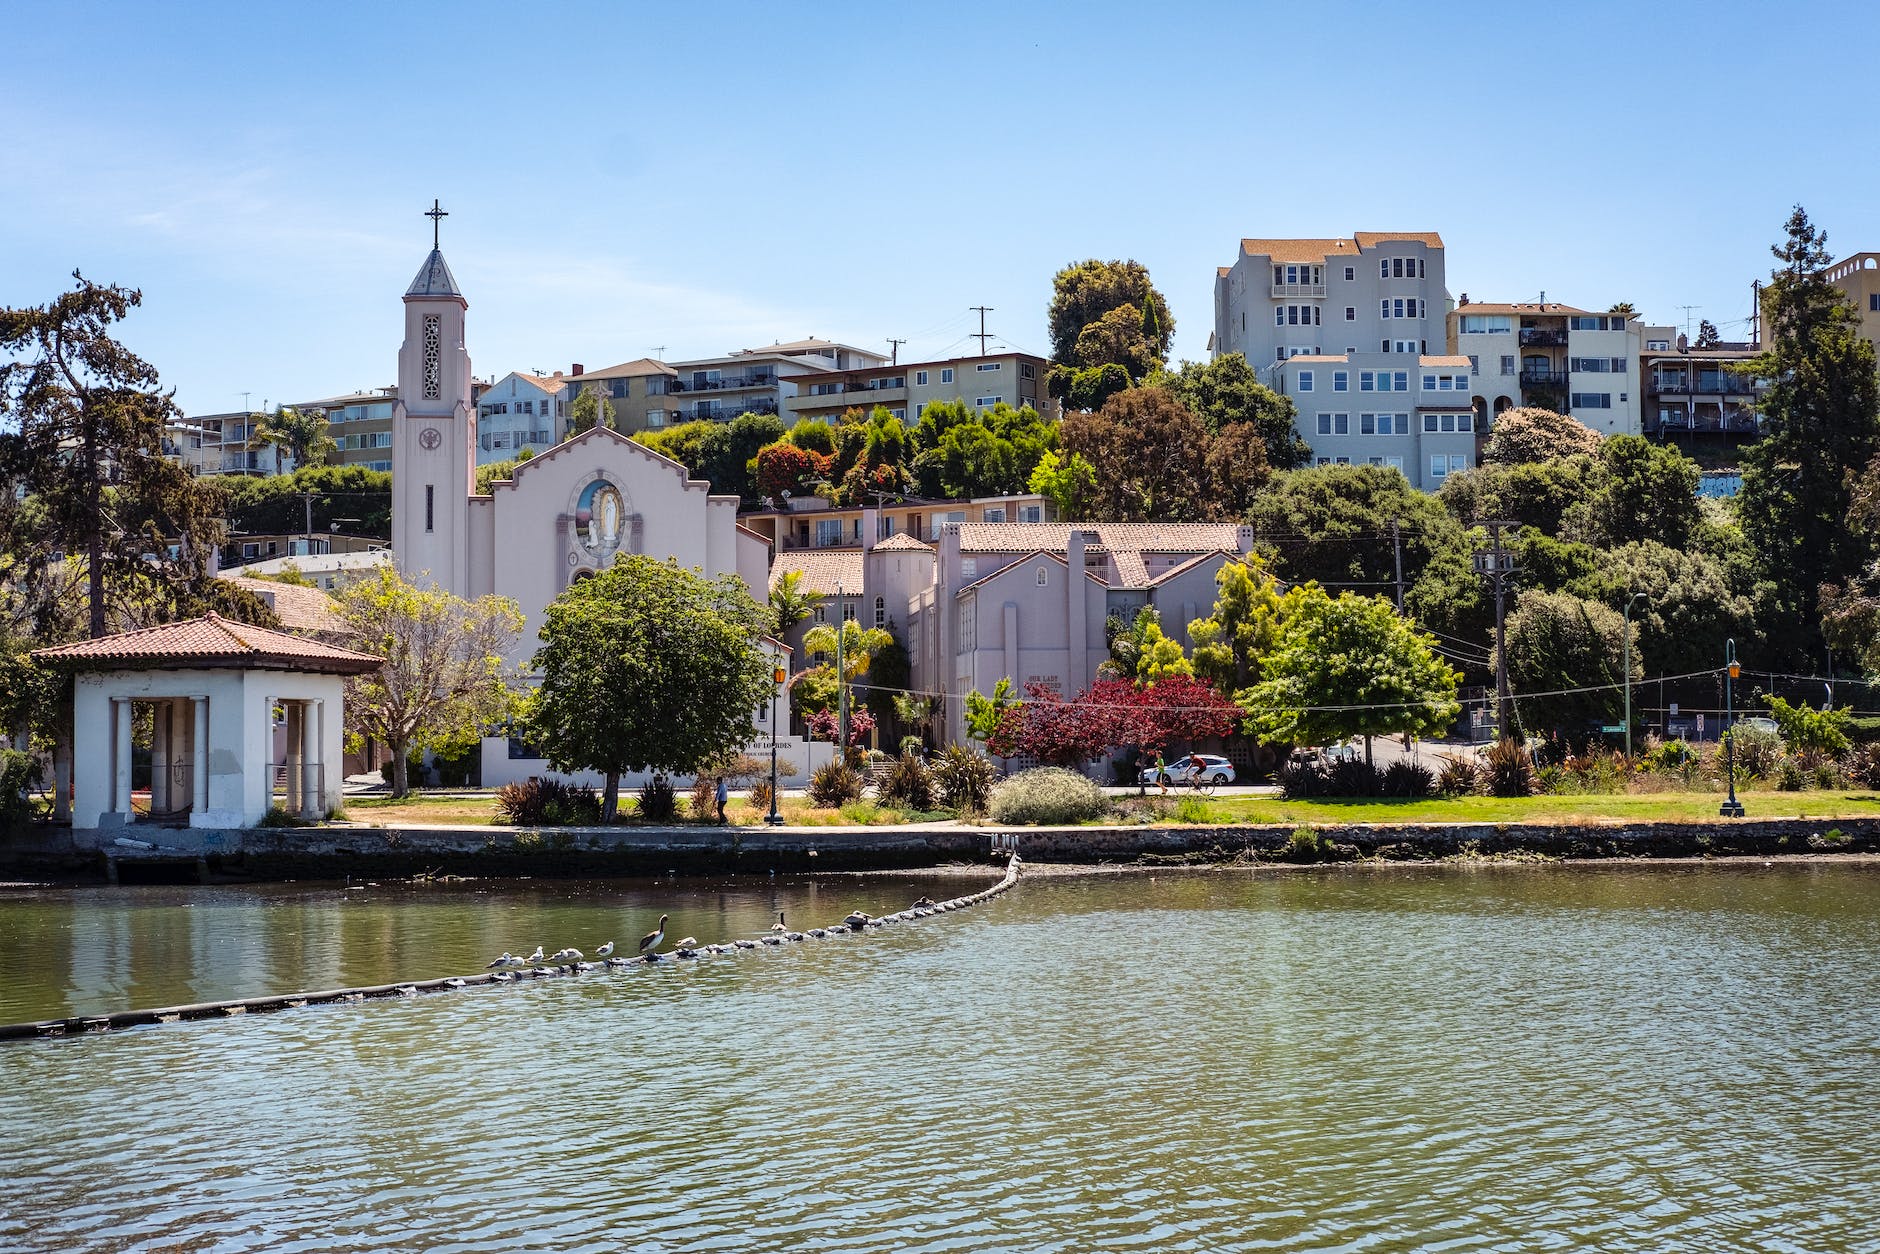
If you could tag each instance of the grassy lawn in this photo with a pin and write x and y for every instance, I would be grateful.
(1672, 806)
(480, 811)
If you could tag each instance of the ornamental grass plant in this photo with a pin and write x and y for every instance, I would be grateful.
(1049, 794)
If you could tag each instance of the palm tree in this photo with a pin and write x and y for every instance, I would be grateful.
(791, 602)
(303, 435)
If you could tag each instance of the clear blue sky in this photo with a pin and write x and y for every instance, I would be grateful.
(708, 177)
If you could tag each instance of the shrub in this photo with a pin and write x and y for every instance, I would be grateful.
(1404, 778)
(964, 779)
(760, 796)
(1507, 770)
(1667, 755)
(538, 802)
(658, 802)
(834, 783)
(1349, 777)
(1789, 776)
(907, 780)
(1863, 765)
(1758, 750)
(1458, 777)
(1191, 810)
(18, 773)
(1308, 845)
(1049, 794)
(704, 798)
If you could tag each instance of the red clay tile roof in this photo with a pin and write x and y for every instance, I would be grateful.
(210, 641)
(824, 570)
(299, 608)
(1111, 537)
(902, 542)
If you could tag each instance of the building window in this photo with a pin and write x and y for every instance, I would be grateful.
(1044, 577)
(1657, 346)
(1475, 364)
(920, 378)
(1325, 424)
(1350, 273)
(1873, 302)
(881, 613)
(828, 532)
(1351, 313)
(848, 609)
(984, 366)
(1341, 381)
(1341, 424)
(822, 614)
(1590, 400)
(969, 567)
(1305, 380)
(987, 402)
(946, 375)
(1439, 465)
(430, 506)
(1031, 513)
(433, 357)
(993, 513)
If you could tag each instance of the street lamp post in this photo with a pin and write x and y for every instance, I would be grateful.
(1731, 809)
(1626, 636)
(778, 674)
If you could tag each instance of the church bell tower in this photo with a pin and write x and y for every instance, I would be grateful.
(433, 431)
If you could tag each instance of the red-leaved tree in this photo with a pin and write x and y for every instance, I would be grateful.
(1111, 714)
(784, 467)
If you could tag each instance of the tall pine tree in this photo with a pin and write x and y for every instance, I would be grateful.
(1821, 419)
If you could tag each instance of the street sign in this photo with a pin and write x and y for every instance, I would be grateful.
(1700, 726)
(1674, 709)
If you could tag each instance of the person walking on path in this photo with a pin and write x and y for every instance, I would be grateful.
(1161, 772)
(723, 794)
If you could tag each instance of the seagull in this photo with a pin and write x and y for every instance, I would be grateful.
(569, 954)
(503, 961)
(778, 925)
(532, 959)
(605, 950)
(649, 943)
(688, 942)
(924, 902)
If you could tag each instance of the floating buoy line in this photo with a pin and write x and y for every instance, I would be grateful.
(855, 924)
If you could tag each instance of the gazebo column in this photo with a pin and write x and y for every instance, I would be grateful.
(290, 756)
(160, 758)
(312, 795)
(121, 756)
(199, 756)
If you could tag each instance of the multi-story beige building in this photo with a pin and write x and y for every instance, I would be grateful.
(1016, 379)
(1859, 277)
(639, 390)
(1550, 356)
(361, 425)
(1694, 390)
(223, 444)
(1314, 297)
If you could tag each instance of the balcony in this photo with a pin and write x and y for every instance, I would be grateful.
(1541, 337)
(1739, 420)
(1537, 378)
(728, 383)
(1309, 291)
(1706, 385)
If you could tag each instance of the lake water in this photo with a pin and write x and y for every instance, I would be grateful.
(1577, 1058)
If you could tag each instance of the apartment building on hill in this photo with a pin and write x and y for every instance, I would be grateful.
(1377, 292)
(648, 394)
(1015, 379)
(1694, 391)
(1859, 277)
(1383, 410)
(521, 411)
(1550, 356)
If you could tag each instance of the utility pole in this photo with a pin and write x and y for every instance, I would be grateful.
(1498, 564)
(894, 351)
(842, 706)
(1627, 649)
(982, 336)
(1755, 313)
(1396, 548)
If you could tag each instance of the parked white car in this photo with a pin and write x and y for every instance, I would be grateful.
(1211, 770)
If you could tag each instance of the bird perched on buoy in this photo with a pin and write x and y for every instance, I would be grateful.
(570, 954)
(533, 958)
(605, 950)
(817, 933)
(649, 943)
(773, 939)
(856, 920)
(687, 942)
(503, 961)
(924, 902)
(503, 977)
(746, 944)
(778, 925)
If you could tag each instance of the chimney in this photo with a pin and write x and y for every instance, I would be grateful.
(871, 526)
(577, 368)
(1465, 300)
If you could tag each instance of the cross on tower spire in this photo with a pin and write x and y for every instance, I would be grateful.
(436, 215)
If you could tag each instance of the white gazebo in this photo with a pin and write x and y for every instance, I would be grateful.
(212, 687)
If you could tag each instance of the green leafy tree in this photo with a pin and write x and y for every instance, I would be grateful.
(1332, 525)
(1690, 606)
(1351, 666)
(357, 498)
(1821, 417)
(1109, 313)
(649, 666)
(983, 714)
(82, 428)
(1566, 662)
(1250, 613)
(1641, 491)
(1226, 391)
(1824, 731)
(730, 456)
(817, 437)
(302, 435)
(589, 408)
(444, 678)
(790, 602)
(1087, 388)
(1068, 481)
(1851, 610)
(491, 472)
(1154, 458)
(1535, 435)
(1529, 494)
